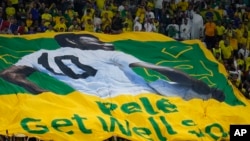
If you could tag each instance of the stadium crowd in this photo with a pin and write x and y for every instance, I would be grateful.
(223, 25)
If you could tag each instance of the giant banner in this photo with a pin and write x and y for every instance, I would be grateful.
(138, 86)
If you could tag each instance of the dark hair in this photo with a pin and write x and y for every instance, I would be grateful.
(61, 39)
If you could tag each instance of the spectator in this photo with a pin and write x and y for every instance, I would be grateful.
(197, 25)
(158, 9)
(227, 50)
(21, 13)
(56, 18)
(61, 26)
(149, 25)
(29, 20)
(97, 21)
(86, 17)
(22, 29)
(173, 30)
(46, 17)
(140, 13)
(108, 11)
(137, 25)
(89, 26)
(183, 5)
(34, 10)
(122, 6)
(31, 30)
(106, 21)
(74, 26)
(220, 30)
(10, 10)
(216, 50)
(243, 51)
(210, 33)
(185, 30)
(234, 43)
(128, 21)
(89, 9)
(50, 29)
(117, 23)
(13, 25)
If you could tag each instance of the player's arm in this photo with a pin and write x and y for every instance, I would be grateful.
(18, 75)
(177, 76)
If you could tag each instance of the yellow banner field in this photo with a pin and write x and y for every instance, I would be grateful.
(137, 86)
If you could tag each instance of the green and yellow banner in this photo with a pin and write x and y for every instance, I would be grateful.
(137, 86)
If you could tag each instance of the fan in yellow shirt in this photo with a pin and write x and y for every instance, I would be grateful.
(234, 42)
(100, 4)
(183, 5)
(217, 52)
(244, 39)
(129, 21)
(29, 20)
(140, 13)
(86, 17)
(150, 3)
(70, 12)
(57, 17)
(10, 10)
(108, 10)
(220, 29)
(89, 26)
(105, 21)
(227, 50)
(61, 27)
(173, 5)
(46, 17)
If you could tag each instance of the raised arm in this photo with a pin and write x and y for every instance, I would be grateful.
(18, 75)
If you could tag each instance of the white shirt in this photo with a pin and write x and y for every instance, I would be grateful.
(244, 52)
(138, 25)
(113, 75)
(185, 30)
(97, 21)
(150, 15)
(120, 8)
(197, 26)
(158, 4)
(176, 27)
(149, 27)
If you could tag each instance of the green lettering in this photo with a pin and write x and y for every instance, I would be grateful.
(168, 126)
(106, 107)
(148, 107)
(80, 123)
(188, 122)
(198, 134)
(131, 107)
(121, 127)
(166, 106)
(41, 129)
(113, 123)
(208, 130)
(157, 129)
(143, 132)
(104, 124)
(58, 123)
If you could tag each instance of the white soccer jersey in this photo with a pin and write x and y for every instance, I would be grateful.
(101, 73)
(107, 73)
